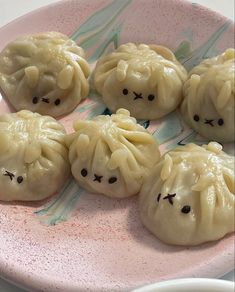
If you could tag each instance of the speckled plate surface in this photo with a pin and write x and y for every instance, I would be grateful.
(79, 241)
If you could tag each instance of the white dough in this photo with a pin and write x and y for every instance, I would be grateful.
(45, 72)
(147, 80)
(111, 155)
(209, 95)
(33, 156)
(189, 197)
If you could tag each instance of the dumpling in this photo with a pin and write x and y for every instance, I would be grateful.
(44, 73)
(34, 160)
(112, 154)
(189, 197)
(209, 94)
(146, 80)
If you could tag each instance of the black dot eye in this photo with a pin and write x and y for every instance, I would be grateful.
(196, 118)
(186, 209)
(20, 179)
(57, 101)
(220, 122)
(84, 172)
(159, 197)
(125, 91)
(151, 97)
(112, 180)
(35, 99)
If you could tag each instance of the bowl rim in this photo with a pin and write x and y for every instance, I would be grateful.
(188, 283)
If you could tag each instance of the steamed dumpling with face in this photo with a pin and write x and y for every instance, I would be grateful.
(111, 155)
(189, 197)
(33, 156)
(45, 72)
(209, 95)
(146, 80)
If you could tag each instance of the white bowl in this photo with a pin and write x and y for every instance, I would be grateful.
(190, 285)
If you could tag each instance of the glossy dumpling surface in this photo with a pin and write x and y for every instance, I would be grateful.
(189, 197)
(111, 155)
(145, 79)
(209, 95)
(33, 156)
(45, 72)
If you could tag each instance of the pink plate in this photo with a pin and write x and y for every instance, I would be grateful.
(79, 241)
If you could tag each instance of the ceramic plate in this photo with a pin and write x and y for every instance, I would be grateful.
(77, 240)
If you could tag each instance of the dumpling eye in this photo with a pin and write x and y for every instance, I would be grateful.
(57, 101)
(35, 100)
(84, 172)
(151, 97)
(20, 179)
(196, 118)
(112, 180)
(125, 91)
(159, 197)
(186, 209)
(220, 122)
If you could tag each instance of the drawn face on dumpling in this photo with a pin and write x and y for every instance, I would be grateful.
(45, 73)
(33, 156)
(98, 174)
(112, 155)
(214, 123)
(140, 80)
(135, 92)
(189, 197)
(209, 106)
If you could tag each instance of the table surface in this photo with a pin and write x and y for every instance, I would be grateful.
(11, 9)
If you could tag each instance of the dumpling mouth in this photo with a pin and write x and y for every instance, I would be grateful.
(46, 100)
(209, 122)
(98, 178)
(137, 95)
